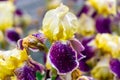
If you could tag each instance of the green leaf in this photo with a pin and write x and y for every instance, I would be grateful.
(39, 76)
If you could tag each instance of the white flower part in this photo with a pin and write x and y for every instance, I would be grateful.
(6, 14)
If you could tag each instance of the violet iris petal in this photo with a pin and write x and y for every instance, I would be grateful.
(78, 47)
(76, 44)
(85, 10)
(89, 50)
(83, 66)
(88, 53)
(12, 35)
(115, 66)
(3, 0)
(37, 66)
(28, 71)
(63, 57)
(40, 37)
(18, 12)
(25, 73)
(103, 24)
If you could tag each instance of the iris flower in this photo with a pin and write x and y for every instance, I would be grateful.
(86, 25)
(59, 24)
(102, 71)
(104, 7)
(108, 43)
(6, 14)
(10, 60)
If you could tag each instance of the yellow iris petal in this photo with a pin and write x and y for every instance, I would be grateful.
(10, 60)
(6, 14)
(59, 24)
(104, 7)
(108, 43)
(86, 25)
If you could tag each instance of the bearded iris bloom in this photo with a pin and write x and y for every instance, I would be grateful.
(86, 25)
(102, 71)
(59, 24)
(10, 60)
(104, 7)
(108, 43)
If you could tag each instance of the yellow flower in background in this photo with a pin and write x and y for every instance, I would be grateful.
(59, 23)
(6, 14)
(52, 4)
(102, 71)
(86, 25)
(10, 60)
(104, 7)
(108, 43)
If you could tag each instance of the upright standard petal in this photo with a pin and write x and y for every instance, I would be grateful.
(59, 24)
(63, 57)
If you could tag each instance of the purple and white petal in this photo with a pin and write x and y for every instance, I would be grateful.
(19, 44)
(36, 66)
(76, 44)
(63, 57)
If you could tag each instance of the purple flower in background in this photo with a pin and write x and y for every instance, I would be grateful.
(89, 51)
(115, 67)
(18, 12)
(103, 24)
(63, 56)
(83, 66)
(12, 35)
(85, 9)
(3, 0)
